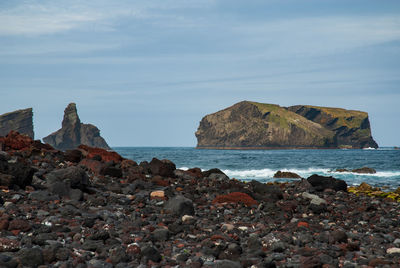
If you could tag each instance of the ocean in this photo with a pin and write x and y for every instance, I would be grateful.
(261, 165)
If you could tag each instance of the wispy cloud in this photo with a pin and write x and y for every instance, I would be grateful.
(48, 17)
(317, 35)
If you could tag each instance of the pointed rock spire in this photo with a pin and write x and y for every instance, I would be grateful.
(73, 133)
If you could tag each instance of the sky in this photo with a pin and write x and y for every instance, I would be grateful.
(146, 72)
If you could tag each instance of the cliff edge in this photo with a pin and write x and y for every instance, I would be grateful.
(252, 125)
(74, 133)
(20, 121)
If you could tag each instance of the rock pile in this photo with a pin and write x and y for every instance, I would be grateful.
(88, 208)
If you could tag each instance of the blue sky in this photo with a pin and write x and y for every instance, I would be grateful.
(146, 72)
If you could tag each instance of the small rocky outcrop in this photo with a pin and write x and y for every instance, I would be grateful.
(252, 125)
(20, 121)
(286, 175)
(74, 133)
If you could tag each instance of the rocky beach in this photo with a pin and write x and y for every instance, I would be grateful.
(89, 207)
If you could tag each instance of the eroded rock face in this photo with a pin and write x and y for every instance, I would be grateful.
(263, 126)
(20, 121)
(74, 133)
(351, 128)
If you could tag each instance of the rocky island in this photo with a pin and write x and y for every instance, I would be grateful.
(20, 121)
(74, 133)
(253, 125)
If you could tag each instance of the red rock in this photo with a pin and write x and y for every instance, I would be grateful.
(377, 262)
(127, 163)
(105, 155)
(4, 224)
(16, 141)
(18, 224)
(196, 172)
(7, 244)
(303, 224)
(94, 165)
(217, 237)
(15, 232)
(235, 197)
(133, 249)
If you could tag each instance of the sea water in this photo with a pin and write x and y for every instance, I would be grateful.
(261, 165)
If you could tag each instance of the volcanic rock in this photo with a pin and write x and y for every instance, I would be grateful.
(180, 206)
(73, 133)
(15, 141)
(255, 125)
(321, 183)
(364, 170)
(286, 174)
(164, 168)
(19, 121)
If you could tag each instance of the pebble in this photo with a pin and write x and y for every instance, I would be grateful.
(393, 251)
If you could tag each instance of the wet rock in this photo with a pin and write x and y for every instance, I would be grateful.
(364, 170)
(320, 183)
(212, 171)
(180, 206)
(286, 175)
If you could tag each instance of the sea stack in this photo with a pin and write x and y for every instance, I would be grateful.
(74, 133)
(20, 121)
(253, 125)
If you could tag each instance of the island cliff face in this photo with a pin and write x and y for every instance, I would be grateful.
(265, 126)
(74, 133)
(20, 121)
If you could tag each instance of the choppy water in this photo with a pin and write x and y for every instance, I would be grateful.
(262, 164)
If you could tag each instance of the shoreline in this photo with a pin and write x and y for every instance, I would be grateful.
(89, 207)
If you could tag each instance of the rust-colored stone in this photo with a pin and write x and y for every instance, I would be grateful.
(235, 197)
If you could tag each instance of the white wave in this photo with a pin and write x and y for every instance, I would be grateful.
(269, 173)
(384, 174)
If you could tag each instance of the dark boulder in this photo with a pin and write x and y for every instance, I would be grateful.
(18, 173)
(265, 191)
(30, 257)
(74, 156)
(164, 168)
(286, 175)
(180, 205)
(212, 171)
(62, 181)
(320, 183)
